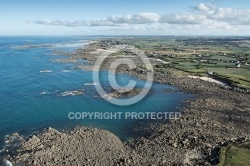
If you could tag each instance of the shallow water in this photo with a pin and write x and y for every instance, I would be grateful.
(31, 100)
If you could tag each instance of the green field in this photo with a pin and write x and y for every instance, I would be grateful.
(234, 155)
(198, 55)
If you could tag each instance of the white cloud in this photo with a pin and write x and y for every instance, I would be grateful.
(202, 17)
(183, 19)
(226, 15)
(204, 7)
(231, 16)
(59, 22)
(140, 18)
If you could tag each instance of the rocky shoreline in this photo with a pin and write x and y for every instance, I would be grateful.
(216, 117)
(125, 92)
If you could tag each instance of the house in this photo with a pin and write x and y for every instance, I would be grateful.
(210, 72)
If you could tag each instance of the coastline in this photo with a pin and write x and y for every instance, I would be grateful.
(208, 79)
(203, 128)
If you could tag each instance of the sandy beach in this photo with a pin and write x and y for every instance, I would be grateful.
(208, 79)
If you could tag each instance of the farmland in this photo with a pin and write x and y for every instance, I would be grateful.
(225, 58)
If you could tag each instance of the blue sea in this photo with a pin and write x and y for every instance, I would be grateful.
(31, 100)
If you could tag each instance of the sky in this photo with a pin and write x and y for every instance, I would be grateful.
(125, 17)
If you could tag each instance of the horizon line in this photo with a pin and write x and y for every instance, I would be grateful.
(127, 35)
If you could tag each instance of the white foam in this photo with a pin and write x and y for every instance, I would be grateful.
(8, 163)
(45, 71)
(66, 71)
(90, 83)
(72, 93)
(44, 93)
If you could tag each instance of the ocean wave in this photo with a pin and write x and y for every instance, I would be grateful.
(44, 93)
(90, 83)
(8, 163)
(72, 93)
(12, 141)
(66, 71)
(45, 71)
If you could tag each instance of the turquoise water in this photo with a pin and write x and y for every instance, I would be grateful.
(30, 100)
